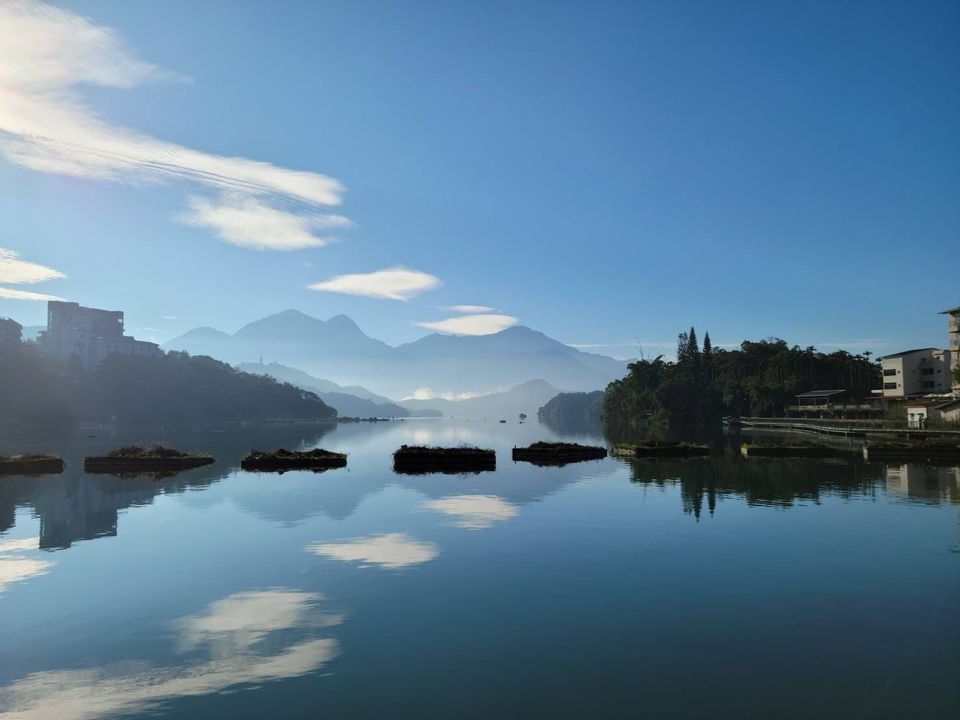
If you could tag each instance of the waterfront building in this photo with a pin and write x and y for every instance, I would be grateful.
(89, 334)
(924, 371)
(11, 332)
(953, 330)
(919, 414)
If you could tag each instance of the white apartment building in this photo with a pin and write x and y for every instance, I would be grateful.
(925, 371)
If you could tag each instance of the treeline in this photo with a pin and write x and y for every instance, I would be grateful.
(706, 383)
(170, 388)
(573, 411)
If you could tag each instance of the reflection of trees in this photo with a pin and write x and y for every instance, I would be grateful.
(774, 482)
(75, 506)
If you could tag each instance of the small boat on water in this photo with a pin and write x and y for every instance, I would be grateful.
(661, 448)
(136, 459)
(30, 464)
(282, 460)
(557, 454)
(419, 460)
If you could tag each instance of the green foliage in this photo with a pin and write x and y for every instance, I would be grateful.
(171, 388)
(759, 379)
(567, 408)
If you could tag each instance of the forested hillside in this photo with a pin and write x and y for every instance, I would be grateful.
(172, 388)
(759, 378)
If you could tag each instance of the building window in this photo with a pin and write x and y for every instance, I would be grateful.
(889, 372)
(890, 386)
(927, 384)
(926, 371)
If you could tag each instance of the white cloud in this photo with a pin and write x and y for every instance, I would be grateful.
(468, 309)
(11, 294)
(246, 221)
(425, 393)
(396, 283)
(263, 649)
(471, 324)
(46, 53)
(15, 271)
(393, 550)
(474, 511)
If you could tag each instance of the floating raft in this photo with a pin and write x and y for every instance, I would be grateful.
(809, 450)
(30, 465)
(281, 460)
(544, 453)
(414, 460)
(918, 452)
(664, 448)
(135, 459)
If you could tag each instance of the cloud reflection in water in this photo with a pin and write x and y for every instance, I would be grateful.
(237, 635)
(474, 511)
(392, 550)
(14, 568)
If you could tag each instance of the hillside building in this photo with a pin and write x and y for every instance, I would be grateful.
(89, 334)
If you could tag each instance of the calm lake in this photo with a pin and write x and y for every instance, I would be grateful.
(702, 588)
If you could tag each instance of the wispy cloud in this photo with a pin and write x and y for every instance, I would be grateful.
(467, 309)
(46, 53)
(471, 324)
(14, 271)
(396, 283)
(393, 550)
(248, 222)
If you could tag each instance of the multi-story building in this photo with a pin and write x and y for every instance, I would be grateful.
(924, 371)
(89, 334)
(953, 329)
(11, 332)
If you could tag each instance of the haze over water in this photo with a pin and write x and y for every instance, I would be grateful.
(677, 589)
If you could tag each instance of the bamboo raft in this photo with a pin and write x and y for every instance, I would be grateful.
(31, 465)
(557, 454)
(418, 460)
(135, 459)
(282, 460)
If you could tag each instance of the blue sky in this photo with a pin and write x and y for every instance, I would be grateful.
(608, 173)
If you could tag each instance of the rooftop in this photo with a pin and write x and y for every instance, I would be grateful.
(907, 352)
(950, 312)
(821, 393)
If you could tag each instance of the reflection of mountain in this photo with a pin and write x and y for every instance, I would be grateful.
(75, 506)
(525, 398)
(445, 363)
(775, 482)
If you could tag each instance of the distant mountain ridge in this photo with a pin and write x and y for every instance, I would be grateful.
(338, 348)
(525, 398)
(350, 401)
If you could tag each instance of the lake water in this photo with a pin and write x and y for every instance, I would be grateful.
(720, 588)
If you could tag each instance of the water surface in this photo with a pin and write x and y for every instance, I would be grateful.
(720, 588)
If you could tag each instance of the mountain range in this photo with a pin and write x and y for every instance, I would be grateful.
(525, 398)
(338, 348)
(348, 401)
